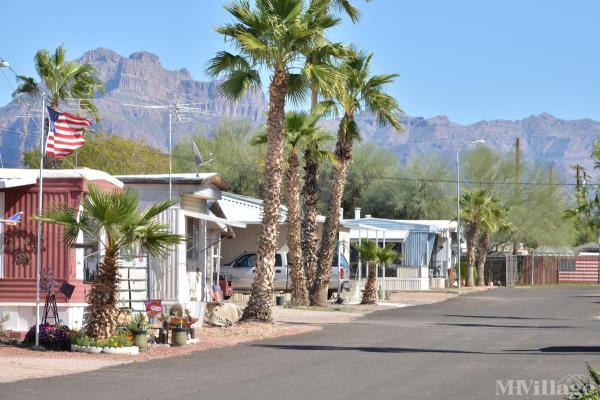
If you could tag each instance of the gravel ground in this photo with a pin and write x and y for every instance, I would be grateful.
(18, 364)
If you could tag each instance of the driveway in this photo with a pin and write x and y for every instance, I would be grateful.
(468, 347)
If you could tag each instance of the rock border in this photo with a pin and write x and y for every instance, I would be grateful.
(130, 351)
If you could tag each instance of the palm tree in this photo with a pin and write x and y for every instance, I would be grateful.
(368, 254)
(301, 132)
(115, 219)
(492, 218)
(361, 92)
(471, 203)
(61, 81)
(384, 256)
(273, 35)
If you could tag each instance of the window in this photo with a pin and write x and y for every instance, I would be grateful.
(246, 261)
(91, 258)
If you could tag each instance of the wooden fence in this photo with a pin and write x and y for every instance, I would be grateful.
(535, 269)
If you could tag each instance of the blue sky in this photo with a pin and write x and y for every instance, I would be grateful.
(470, 60)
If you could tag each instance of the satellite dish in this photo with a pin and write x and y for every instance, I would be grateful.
(198, 158)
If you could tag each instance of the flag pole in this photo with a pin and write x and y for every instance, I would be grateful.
(39, 230)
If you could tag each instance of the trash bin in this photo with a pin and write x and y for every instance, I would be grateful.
(279, 300)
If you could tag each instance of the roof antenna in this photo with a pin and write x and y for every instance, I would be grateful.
(198, 158)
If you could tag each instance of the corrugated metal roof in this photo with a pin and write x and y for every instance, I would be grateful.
(14, 176)
(183, 178)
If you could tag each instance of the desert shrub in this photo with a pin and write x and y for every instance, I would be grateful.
(587, 389)
(81, 339)
(52, 337)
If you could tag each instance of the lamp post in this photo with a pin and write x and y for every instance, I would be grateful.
(3, 64)
(458, 247)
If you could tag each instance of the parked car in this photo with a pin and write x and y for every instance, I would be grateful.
(241, 273)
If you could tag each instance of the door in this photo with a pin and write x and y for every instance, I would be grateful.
(242, 271)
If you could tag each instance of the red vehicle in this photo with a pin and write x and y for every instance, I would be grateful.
(226, 286)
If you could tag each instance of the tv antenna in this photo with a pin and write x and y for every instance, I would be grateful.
(198, 158)
(181, 109)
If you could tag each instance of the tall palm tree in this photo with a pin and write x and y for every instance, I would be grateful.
(325, 55)
(61, 81)
(492, 218)
(273, 35)
(361, 92)
(301, 132)
(368, 254)
(471, 203)
(115, 219)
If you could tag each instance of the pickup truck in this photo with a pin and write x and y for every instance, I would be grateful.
(241, 273)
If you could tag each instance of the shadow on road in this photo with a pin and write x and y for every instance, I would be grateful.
(563, 350)
(366, 349)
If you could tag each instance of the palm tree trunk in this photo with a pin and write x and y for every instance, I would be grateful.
(370, 292)
(484, 243)
(471, 236)
(259, 304)
(103, 297)
(310, 235)
(343, 154)
(292, 193)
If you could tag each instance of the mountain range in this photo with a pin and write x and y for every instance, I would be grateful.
(141, 80)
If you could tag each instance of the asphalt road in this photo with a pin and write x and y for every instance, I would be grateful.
(458, 349)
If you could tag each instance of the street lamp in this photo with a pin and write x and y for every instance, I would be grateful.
(4, 64)
(459, 248)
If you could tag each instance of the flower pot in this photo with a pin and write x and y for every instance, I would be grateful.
(179, 337)
(140, 339)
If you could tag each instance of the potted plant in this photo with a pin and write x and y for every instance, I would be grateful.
(139, 329)
(180, 333)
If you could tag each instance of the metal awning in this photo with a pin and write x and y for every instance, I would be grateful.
(212, 218)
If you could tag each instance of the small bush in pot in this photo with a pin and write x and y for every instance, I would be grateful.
(139, 330)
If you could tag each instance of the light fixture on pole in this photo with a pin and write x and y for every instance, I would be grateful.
(458, 246)
(4, 64)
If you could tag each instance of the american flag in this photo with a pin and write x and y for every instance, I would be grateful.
(578, 270)
(66, 133)
(215, 293)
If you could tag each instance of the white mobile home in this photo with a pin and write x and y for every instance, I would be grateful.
(184, 275)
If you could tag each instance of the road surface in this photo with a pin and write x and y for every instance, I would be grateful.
(477, 346)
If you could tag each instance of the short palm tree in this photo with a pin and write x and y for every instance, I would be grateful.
(301, 132)
(115, 219)
(492, 218)
(384, 257)
(368, 254)
(273, 35)
(471, 203)
(61, 81)
(361, 92)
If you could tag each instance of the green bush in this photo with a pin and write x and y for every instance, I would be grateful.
(81, 339)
